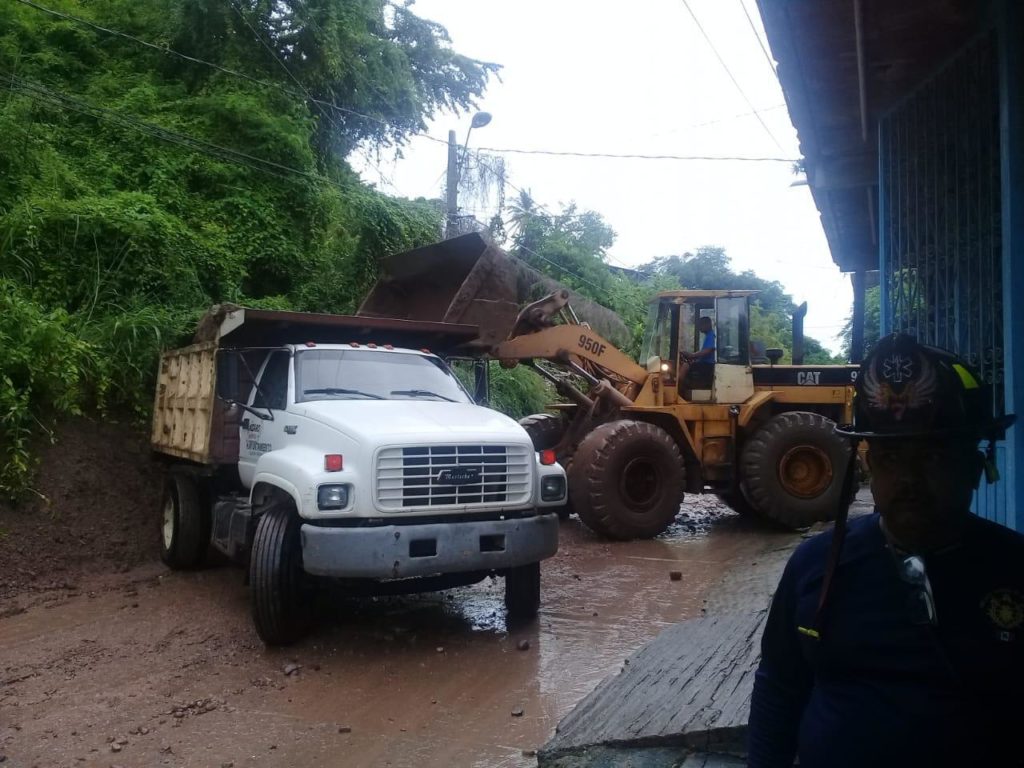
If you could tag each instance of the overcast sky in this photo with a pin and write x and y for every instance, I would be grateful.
(607, 76)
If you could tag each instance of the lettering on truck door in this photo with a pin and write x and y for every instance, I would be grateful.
(262, 428)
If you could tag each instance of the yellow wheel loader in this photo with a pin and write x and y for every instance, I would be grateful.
(634, 437)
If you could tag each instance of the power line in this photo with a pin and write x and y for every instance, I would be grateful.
(760, 42)
(320, 104)
(225, 70)
(686, 4)
(635, 155)
(56, 98)
(333, 125)
(716, 121)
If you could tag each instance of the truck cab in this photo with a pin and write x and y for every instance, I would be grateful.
(365, 463)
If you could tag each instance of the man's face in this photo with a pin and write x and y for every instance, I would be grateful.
(923, 485)
(704, 325)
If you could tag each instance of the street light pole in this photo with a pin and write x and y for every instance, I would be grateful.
(452, 198)
(480, 119)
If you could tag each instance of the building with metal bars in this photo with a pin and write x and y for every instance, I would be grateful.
(911, 121)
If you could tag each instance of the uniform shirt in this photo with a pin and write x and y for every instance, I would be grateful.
(709, 343)
(877, 689)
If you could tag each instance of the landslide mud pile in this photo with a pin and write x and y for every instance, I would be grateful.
(97, 512)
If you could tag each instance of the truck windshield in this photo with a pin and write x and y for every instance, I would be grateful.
(355, 374)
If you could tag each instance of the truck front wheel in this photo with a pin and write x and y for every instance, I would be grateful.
(185, 529)
(522, 591)
(280, 599)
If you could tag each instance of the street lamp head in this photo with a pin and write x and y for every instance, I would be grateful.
(480, 119)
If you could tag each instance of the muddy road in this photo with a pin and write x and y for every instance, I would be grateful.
(150, 667)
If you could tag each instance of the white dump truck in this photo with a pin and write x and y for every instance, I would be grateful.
(311, 447)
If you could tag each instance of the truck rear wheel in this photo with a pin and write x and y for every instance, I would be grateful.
(185, 529)
(627, 480)
(280, 599)
(522, 591)
(792, 469)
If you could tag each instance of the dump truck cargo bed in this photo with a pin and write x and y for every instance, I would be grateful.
(190, 422)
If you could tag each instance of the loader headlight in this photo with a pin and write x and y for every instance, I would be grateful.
(332, 496)
(552, 488)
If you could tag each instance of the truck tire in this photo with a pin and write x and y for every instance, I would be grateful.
(627, 479)
(792, 469)
(522, 591)
(185, 529)
(280, 599)
(545, 430)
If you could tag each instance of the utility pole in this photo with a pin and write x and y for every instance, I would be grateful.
(480, 119)
(452, 198)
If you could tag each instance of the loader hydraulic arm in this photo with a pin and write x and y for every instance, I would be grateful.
(535, 336)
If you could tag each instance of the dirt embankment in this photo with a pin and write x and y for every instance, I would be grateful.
(97, 512)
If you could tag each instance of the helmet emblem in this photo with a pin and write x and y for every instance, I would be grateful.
(897, 369)
(900, 388)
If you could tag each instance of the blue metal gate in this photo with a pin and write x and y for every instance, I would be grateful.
(941, 212)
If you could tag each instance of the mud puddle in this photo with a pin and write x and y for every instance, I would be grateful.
(159, 668)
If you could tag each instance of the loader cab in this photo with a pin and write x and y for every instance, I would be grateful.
(675, 328)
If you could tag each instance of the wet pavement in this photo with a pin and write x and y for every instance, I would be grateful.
(158, 668)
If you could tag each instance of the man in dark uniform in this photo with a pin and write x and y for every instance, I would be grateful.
(902, 643)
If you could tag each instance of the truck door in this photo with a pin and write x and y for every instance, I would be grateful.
(259, 434)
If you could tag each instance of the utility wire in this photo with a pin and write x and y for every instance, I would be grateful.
(636, 155)
(320, 104)
(320, 108)
(760, 42)
(56, 98)
(225, 70)
(686, 4)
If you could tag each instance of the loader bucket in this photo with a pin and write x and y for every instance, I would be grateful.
(466, 280)
(471, 281)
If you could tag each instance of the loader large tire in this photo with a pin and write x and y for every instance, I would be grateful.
(280, 595)
(185, 530)
(544, 429)
(626, 480)
(792, 469)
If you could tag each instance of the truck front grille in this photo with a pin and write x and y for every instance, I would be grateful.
(453, 475)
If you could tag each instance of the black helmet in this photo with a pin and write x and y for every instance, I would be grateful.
(907, 389)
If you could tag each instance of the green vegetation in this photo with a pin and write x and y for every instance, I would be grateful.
(138, 186)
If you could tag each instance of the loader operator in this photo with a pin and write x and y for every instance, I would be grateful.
(902, 642)
(705, 357)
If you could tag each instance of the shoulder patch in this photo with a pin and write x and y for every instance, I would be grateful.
(1005, 609)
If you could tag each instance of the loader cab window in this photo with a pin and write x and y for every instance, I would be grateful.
(273, 390)
(733, 331)
(690, 337)
(660, 338)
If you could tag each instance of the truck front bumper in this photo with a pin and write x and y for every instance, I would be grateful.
(401, 551)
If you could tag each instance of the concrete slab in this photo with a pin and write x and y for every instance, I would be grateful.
(685, 696)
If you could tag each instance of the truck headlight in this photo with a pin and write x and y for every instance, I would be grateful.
(332, 496)
(552, 487)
